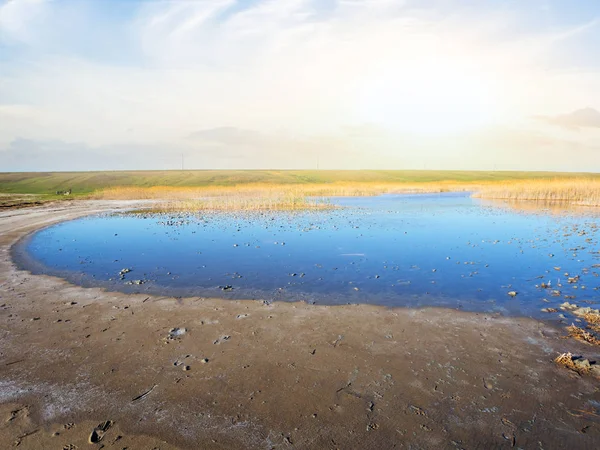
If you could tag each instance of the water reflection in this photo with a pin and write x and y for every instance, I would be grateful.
(394, 250)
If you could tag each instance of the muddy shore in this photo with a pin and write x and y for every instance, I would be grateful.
(243, 374)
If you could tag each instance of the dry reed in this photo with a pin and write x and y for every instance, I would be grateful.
(264, 196)
(581, 335)
(593, 320)
(583, 191)
(567, 360)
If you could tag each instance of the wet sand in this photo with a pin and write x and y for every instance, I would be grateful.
(284, 375)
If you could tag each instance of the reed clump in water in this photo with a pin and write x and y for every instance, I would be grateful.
(593, 320)
(581, 335)
(582, 191)
(218, 198)
(236, 203)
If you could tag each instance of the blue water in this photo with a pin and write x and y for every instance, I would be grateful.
(394, 250)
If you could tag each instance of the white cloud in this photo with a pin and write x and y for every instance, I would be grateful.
(581, 118)
(19, 18)
(286, 76)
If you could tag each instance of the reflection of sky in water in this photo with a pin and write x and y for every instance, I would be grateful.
(394, 250)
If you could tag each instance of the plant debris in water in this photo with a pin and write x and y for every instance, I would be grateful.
(581, 335)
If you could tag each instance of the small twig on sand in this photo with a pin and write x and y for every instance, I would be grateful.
(141, 396)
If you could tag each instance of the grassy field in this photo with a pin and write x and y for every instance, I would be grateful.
(83, 183)
(257, 189)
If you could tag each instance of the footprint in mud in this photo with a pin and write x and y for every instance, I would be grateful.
(98, 432)
(18, 413)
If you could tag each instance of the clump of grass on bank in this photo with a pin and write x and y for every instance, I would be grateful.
(13, 201)
(582, 191)
(569, 361)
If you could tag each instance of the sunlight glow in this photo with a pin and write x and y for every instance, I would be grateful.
(433, 95)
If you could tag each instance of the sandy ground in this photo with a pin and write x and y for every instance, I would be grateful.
(272, 376)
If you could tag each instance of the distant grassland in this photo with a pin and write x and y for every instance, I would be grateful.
(87, 182)
(281, 189)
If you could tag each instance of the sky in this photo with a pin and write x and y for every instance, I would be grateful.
(300, 84)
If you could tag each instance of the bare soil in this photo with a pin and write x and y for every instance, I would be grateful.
(282, 375)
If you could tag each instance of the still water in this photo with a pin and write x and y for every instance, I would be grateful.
(393, 250)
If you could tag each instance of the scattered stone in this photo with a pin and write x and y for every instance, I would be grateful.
(222, 339)
(512, 293)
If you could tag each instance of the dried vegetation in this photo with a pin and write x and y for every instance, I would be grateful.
(582, 191)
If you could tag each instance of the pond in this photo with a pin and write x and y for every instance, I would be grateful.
(395, 250)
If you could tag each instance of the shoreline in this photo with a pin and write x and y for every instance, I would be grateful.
(288, 374)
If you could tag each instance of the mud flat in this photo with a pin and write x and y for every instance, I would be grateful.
(135, 371)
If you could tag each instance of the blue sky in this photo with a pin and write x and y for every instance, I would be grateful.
(124, 84)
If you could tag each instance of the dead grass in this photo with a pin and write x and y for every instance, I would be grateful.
(581, 335)
(567, 360)
(593, 320)
(583, 191)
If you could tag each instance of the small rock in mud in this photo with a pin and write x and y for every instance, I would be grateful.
(175, 333)
(221, 339)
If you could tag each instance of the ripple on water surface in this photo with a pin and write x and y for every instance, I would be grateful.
(394, 250)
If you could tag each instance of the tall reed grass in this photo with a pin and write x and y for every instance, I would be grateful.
(257, 196)
(581, 191)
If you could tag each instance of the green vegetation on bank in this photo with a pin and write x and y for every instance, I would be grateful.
(83, 183)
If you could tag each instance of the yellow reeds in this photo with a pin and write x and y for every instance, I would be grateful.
(265, 196)
(269, 190)
(581, 335)
(582, 191)
(568, 360)
(593, 320)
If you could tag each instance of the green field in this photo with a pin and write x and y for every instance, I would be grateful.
(47, 183)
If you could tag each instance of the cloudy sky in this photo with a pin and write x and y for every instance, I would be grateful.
(348, 84)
